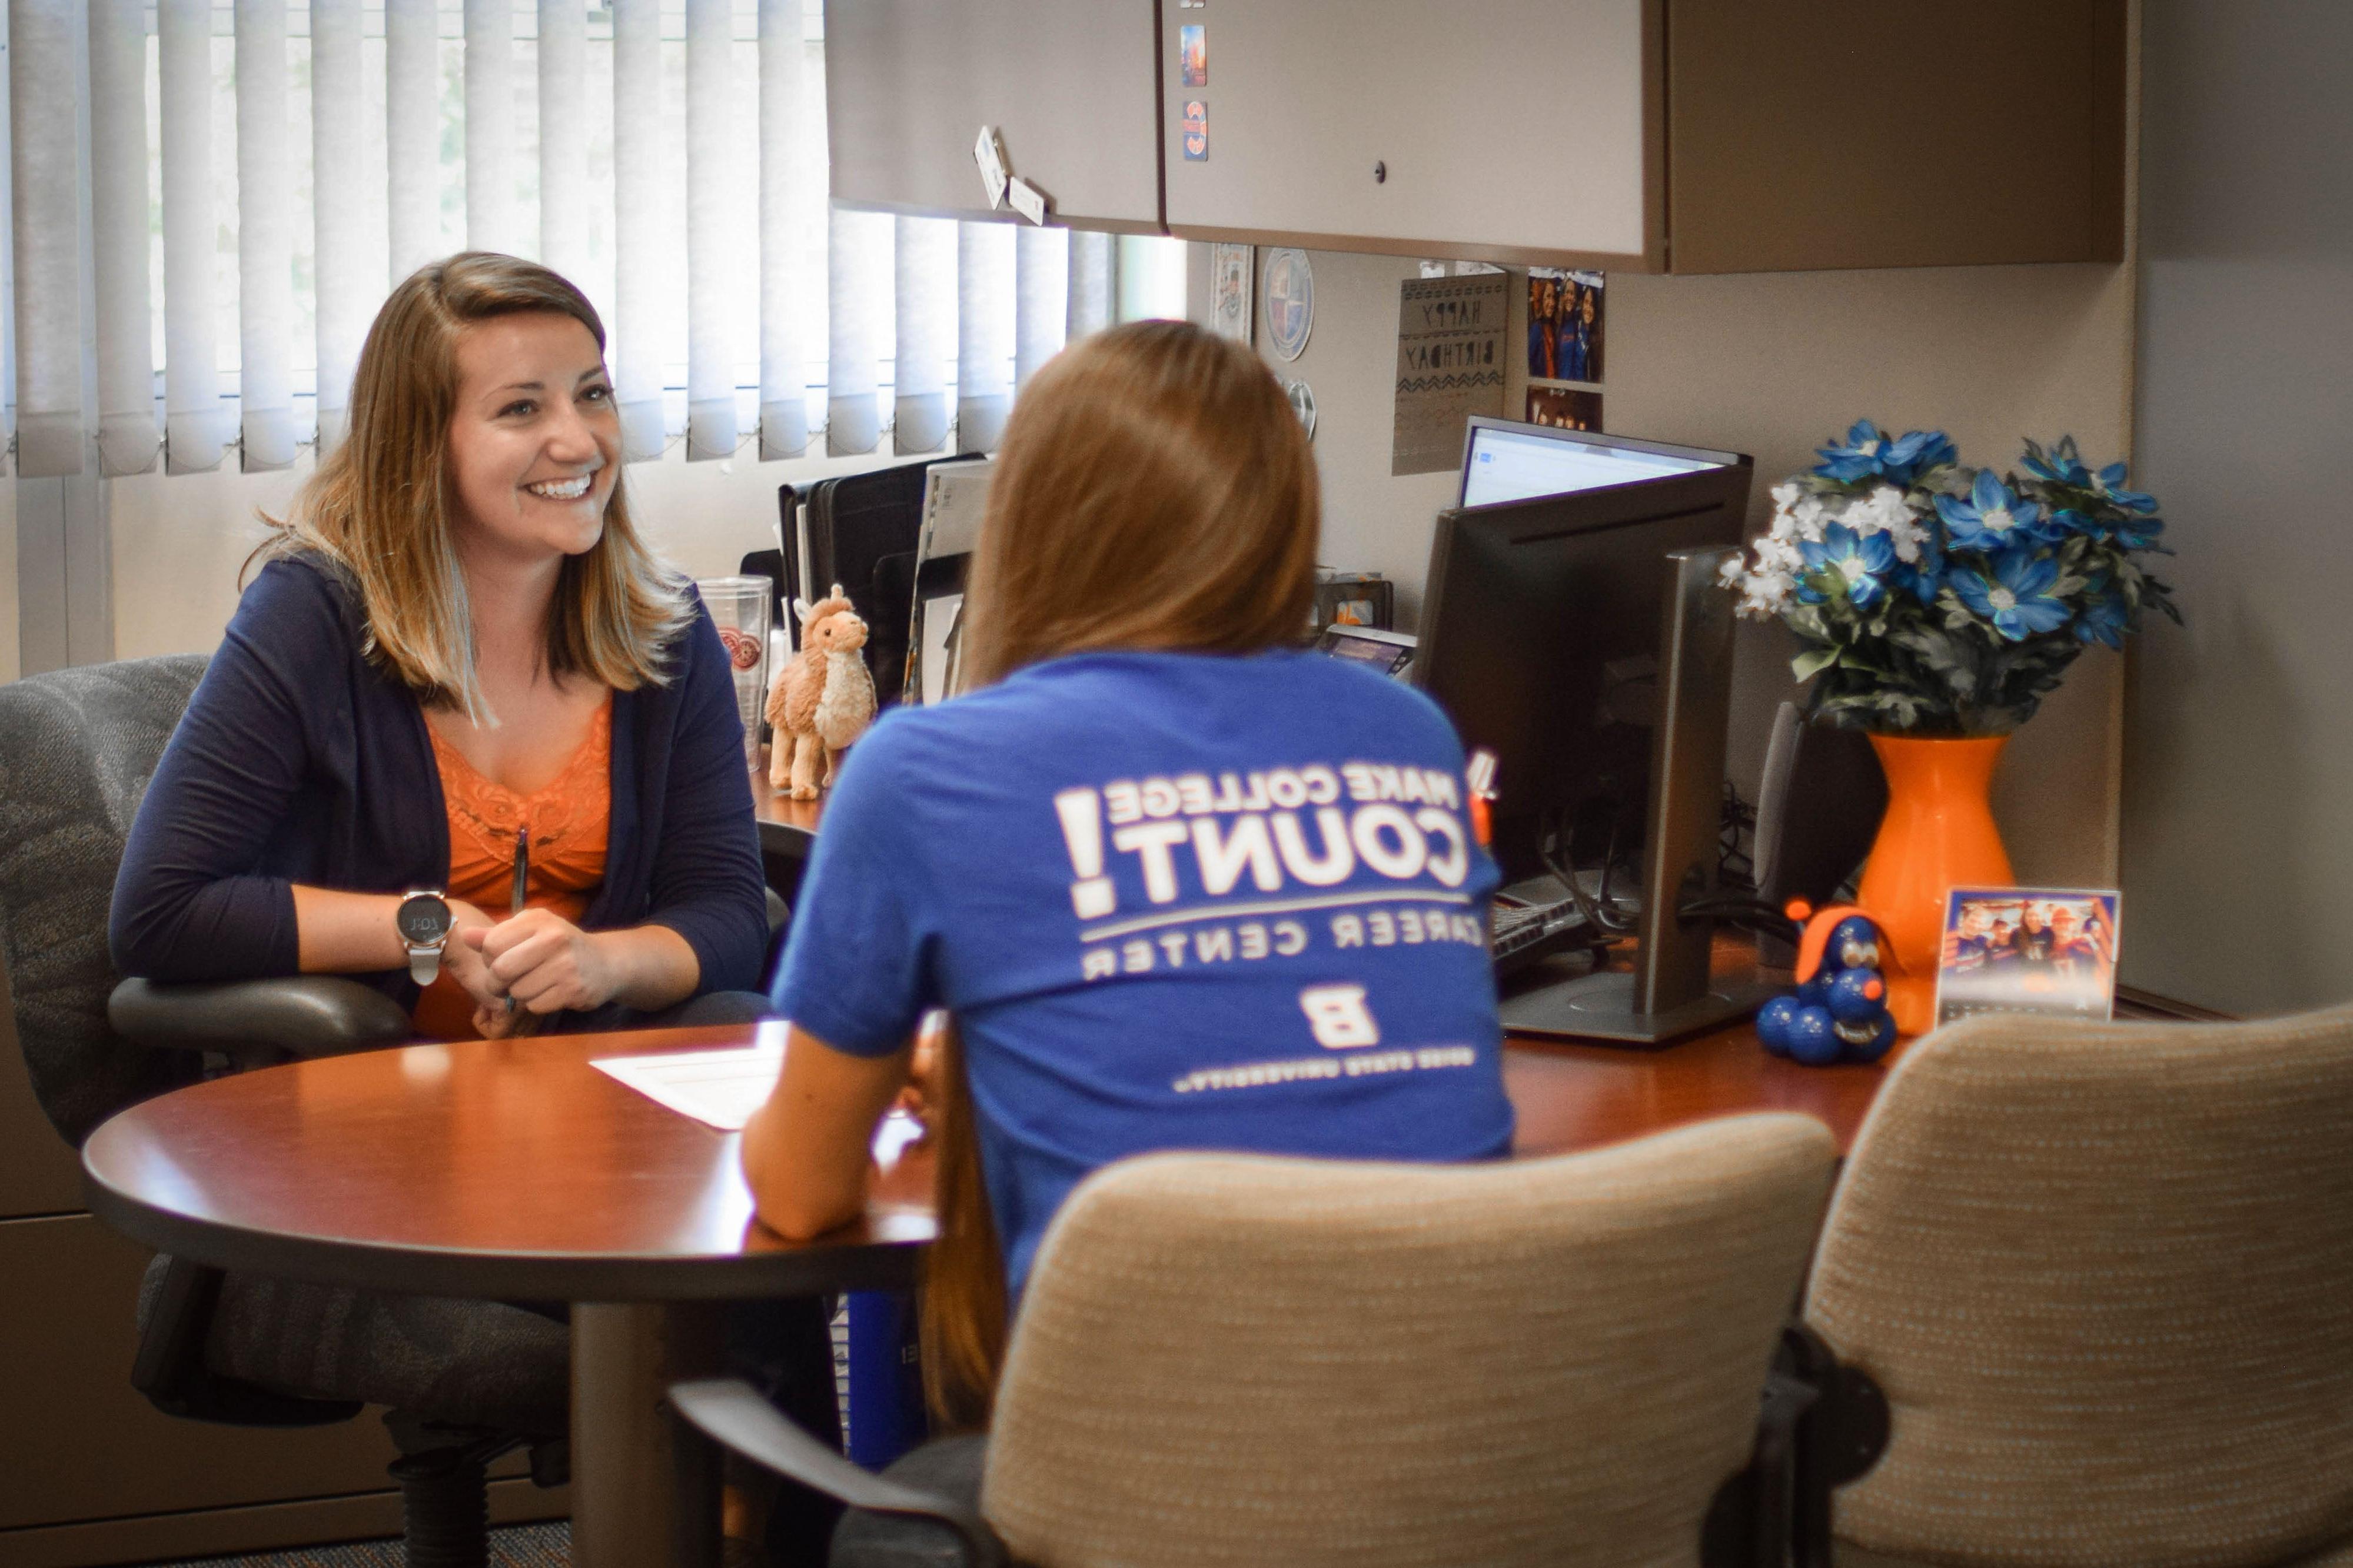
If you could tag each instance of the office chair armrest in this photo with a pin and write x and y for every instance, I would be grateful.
(303, 1016)
(1840, 1436)
(731, 1414)
(1749, 1522)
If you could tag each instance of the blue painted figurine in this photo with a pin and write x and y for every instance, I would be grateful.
(1838, 1012)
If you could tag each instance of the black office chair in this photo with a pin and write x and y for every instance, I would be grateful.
(465, 1382)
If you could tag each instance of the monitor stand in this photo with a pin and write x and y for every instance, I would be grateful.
(1600, 1007)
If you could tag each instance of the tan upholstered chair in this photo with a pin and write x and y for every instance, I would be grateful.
(1227, 1360)
(2103, 1275)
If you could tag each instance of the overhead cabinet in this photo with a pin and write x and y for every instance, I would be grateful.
(1655, 135)
(1071, 85)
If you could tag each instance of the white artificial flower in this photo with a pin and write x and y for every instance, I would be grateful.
(1886, 510)
(1798, 514)
(1812, 516)
(1763, 595)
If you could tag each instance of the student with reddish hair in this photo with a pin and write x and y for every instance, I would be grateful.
(1178, 882)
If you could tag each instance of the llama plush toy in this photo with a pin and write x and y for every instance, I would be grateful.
(823, 698)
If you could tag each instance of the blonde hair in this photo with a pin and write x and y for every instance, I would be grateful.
(1154, 491)
(380, 506)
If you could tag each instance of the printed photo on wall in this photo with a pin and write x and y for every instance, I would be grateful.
(2027, 949)
(1564, 324)
(1232, 270)
(1566, 407)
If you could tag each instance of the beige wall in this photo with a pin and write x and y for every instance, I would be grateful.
(179, 540)
(1771, 365)
(10, 667)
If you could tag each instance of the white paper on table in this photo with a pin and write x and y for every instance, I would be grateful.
(719, 1088)
(722, 1088)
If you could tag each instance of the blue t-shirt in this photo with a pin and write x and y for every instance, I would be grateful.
(1173, 901)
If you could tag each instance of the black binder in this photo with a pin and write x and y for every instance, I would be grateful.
(862, 531)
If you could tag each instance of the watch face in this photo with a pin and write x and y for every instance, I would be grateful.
(423, 920)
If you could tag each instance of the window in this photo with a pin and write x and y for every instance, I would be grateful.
(261, 172)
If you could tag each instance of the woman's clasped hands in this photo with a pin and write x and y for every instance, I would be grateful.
(538, 959)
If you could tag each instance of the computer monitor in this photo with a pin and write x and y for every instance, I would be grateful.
(1582, 636)
(1504, 460)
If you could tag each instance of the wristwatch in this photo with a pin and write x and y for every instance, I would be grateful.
(423, 921)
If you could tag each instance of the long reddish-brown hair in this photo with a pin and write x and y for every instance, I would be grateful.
(1155, 490)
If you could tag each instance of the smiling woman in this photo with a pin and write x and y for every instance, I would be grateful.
(460, 679)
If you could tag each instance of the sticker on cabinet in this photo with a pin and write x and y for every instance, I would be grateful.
(1193, 54)
(1197, 132)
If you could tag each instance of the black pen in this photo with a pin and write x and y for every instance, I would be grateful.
(521, 881)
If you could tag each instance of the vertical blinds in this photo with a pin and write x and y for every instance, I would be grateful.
(278, 165)
(48, 65)
(128, 436)
(351, 276)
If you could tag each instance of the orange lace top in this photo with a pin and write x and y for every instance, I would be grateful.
(568, 819)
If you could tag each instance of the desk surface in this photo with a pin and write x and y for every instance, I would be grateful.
(512, 1169)
(787, 826)
(1573, 1097)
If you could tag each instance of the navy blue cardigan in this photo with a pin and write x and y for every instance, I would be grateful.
(301, 760)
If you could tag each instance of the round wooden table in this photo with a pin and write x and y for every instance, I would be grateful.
(502, 1170)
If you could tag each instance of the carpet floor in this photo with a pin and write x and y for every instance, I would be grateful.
(522, 1546)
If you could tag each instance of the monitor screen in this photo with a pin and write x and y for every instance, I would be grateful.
(1508, 462)
(1540, 637)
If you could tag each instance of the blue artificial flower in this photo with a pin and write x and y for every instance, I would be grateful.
(2131, 532)
(2110, 483)
(2104, 617)
(1857, 560)
(1916, 451)
(1870, 451)
(2062, 464)
(2017, 601)
(1859, 458)
(1994, 517)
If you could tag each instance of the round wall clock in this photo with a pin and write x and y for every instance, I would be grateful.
(1290, 301)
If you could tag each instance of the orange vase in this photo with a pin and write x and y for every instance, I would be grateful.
(1938, 835)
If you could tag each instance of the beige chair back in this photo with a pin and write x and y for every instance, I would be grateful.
(2104, 1273)
(1237, 1360)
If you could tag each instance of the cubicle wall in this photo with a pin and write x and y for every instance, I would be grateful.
(2238, 849)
